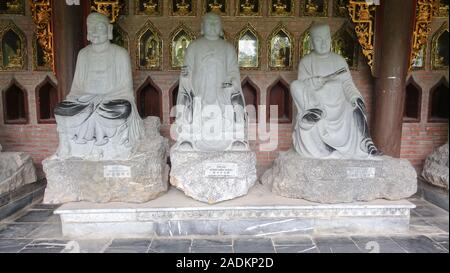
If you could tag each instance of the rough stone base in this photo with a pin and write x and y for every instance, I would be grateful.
(189, 175)
(75, 179)
(260, 213)
(341, 181)
(435, 170)
(16, 170)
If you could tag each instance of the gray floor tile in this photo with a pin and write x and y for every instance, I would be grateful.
(18, 230)
(212, 249)
(377, 244)
(47, 231)
(430, 210)
(441, 239)
(418, 244)
(129, 246)
(13, 245)
(35, 216)
(170, 246)
(295, 240)
(334, 244)
(45, 246)
(211, 242)
(45, 207)
(297, 249)
(261, 245)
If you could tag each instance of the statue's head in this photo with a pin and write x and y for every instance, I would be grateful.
(99, 29)
(212, 26)
(321, 38)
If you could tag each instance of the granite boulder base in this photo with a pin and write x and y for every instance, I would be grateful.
(138, 179)
(213, 177)
(16, 170)
(435, 170)
(341, 181)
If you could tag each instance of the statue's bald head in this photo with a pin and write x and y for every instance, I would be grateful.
(212, 25)
(321, 38)
(99, 27)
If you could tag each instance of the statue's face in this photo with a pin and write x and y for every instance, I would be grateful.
(321, 40)
(212, 27)
(97, 32)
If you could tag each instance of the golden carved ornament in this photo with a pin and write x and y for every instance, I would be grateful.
(41, 12)
(363, 16)
(110, 8)
(422, 28)
(440, 9)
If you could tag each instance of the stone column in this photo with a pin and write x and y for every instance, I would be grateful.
(68, 40)
(394, 32)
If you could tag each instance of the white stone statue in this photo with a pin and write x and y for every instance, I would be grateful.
(99, 119)
(332, 119)
(212, 115)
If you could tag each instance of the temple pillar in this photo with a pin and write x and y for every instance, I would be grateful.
(68, 40)
(394, 32)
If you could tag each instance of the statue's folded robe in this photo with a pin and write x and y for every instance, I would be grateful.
(107, 116)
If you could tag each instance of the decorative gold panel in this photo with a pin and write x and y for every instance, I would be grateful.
(340, 8)
(363, 16)
(149, 54)
(13, 47)
(440, 8)
(120, 37)
(180, 39)
(217, 6)
(183, 7)
(422, 28)
(281, 7)
(281, 47)
(248, 45)
(439, 50)
(41, 12)
(148, 7)
(315, 8)
(344, 43)
(248, 8)
(12, 6)
(111, 8)
(305, 43)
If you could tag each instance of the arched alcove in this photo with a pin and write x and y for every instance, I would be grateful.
(278, 95)
(149, 100)
(251, 94)
(12, 47)
(173, 96)
(46, 101)
(15, 105)
(413, 98)
(438, 107)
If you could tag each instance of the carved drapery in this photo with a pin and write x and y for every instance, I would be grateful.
(422, 28)
(41, 11)
(363, 16)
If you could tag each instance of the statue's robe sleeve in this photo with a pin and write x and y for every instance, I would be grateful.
(350, 90)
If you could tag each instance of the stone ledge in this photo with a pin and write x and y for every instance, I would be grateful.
(260, 213)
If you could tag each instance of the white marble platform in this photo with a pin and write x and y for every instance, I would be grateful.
(260, 213)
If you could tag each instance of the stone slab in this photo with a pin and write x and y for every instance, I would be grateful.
(16, 170)
(434, 194)
(260, 213)
(213, 177)
(341, 181)
(138, 179)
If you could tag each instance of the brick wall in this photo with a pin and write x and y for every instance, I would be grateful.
(41, 140)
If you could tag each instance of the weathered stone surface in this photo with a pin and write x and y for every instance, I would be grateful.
(76, 179)
(16, 170)
(189, 174)
(436, 170)
(341, 181)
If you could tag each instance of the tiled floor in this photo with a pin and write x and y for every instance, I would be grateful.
(37, 230)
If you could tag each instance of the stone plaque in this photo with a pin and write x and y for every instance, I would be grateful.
(361, 172)
(228, 170)
(117, 171)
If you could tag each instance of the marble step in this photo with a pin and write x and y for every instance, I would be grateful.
(260, 213)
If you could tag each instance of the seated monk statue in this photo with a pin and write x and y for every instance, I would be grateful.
(99, 119)
(332, 117)
(213, 116)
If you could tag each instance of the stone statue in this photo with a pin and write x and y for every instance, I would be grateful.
(212, 116)
(99, 119)
(332, 118)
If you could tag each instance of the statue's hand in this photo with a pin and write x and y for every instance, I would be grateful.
(318, 82)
